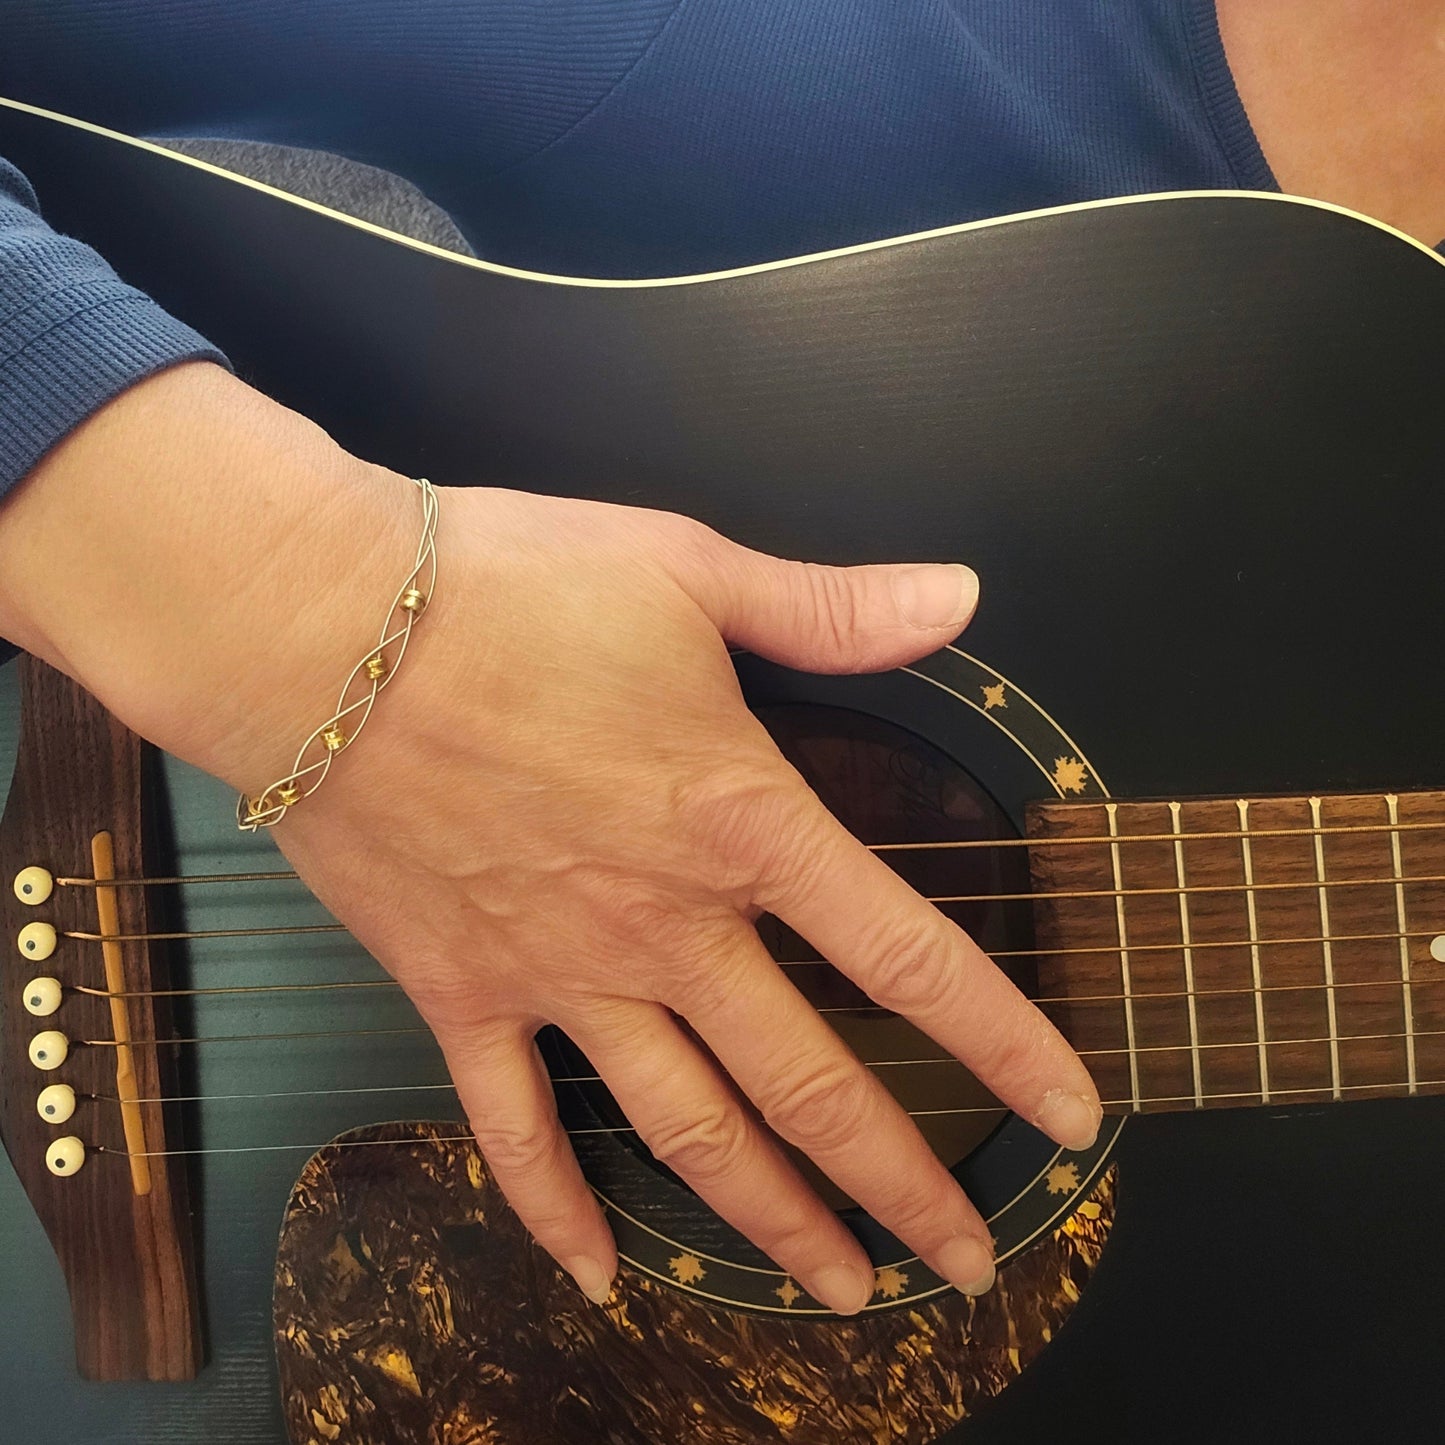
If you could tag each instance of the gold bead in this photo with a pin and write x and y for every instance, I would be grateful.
(376, 667)
(255, 807)
(334, 739)
(413, 599)
(289, 795)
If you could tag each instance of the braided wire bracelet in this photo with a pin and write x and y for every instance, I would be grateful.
(370, 675)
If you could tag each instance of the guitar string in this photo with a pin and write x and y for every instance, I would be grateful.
(598, 1079)
(184, 878)
(1312, 885)
(386, 983)
(1203, 835)
(956, 844)
(1133, 996)
(1283, 1095)
(187, 935)
(877, 1063)
(450, 1088)
(1189, 1048)
(854, 1009)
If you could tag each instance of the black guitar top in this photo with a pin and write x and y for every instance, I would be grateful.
(1195, 449)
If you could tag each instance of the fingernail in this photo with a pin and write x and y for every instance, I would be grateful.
(966, 1262)
(842, 1288)
(943, 595)
(1070, 1119)
(592, 1279)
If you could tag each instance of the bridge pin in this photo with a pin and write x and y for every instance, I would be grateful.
(65, 1156)
(49, 1050)
(37, 941)
(42, 996)
(33, 885)
(55, 1104)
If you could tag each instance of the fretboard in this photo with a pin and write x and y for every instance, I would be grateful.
(1231, 952)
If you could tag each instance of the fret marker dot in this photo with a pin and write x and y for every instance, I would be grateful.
(1437, 948)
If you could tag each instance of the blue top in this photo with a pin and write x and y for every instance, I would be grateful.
(607, 137)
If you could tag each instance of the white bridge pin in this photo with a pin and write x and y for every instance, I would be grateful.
(42, 996)
(33, 885)
(55, 1104)
(49, 1050)
(37, 941)
(65, 1156)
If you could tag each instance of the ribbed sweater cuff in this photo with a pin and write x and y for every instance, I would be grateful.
(66, 354)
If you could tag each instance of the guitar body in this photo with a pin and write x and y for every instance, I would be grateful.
(1195, 447)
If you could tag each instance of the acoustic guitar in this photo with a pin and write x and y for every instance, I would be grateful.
(1182, 777)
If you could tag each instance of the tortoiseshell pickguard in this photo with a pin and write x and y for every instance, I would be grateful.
(412, 1308)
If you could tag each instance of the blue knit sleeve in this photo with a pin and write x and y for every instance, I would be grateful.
(73, 335)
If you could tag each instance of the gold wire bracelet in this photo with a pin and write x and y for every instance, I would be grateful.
(373, 672)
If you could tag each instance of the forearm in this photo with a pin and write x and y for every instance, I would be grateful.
(206, 562)
(211, 565)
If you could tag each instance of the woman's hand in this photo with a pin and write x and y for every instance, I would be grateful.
(561, 811)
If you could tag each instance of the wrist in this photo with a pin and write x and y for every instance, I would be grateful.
(208, 564)
(368, 676)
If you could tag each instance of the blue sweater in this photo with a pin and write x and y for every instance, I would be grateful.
(606, 137)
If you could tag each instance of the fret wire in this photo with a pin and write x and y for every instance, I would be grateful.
(1326, 947)
(1195, 1064)
(1112, 812)
(930, 846)
(1392, 803)
(629, 1129)
(1260, 1031)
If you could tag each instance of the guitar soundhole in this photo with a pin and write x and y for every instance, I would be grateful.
(886, 785)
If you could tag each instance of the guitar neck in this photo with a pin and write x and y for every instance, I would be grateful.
(1235, 952)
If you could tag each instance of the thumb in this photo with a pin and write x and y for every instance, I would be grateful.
(830, 619)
